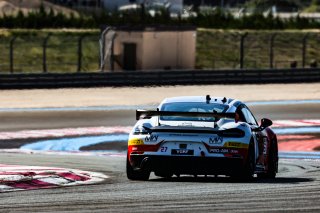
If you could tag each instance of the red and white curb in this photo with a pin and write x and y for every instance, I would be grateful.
(307, 143)
(295, 123)
(70, 132)
(17, 178)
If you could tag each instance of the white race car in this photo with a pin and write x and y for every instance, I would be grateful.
(201, 135)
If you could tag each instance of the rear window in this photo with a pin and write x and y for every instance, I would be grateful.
(192, 107)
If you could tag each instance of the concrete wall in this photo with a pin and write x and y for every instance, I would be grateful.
(169, 50)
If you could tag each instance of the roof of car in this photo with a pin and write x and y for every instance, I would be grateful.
(196, 99)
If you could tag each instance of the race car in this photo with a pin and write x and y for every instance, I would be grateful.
(201, 135)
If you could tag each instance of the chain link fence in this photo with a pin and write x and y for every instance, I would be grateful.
(216, 49)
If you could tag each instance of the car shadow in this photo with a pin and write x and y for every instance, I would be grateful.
(220, 179)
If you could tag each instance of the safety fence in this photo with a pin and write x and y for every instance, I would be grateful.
(79, 52)
(33, 53)
(257, 49)
(152, 78)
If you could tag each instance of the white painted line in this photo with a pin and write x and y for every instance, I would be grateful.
(296, 123)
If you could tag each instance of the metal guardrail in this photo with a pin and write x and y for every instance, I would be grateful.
(156, 78)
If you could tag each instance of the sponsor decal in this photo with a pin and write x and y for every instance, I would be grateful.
(216, 140)
(224, 151)
(135, 141)
(236, 145)
(151, 138)
(219, 151)
(265, 144)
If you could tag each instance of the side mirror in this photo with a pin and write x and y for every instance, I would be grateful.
(265, 122)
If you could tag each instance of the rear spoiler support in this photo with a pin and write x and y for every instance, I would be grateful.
(145, 114)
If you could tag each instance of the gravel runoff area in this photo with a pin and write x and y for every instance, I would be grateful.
(126, 96)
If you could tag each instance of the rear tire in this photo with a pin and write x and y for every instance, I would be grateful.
(272, 163)
(250, 164)
(133, 174)
(249, 167)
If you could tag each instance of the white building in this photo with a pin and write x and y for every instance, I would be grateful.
(113, 5)
(174, 6)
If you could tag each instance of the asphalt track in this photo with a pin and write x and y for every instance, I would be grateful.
(51, 119)
(296, 187)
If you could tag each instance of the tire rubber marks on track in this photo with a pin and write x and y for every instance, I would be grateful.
(15, 178)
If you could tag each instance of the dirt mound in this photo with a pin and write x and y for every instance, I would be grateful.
(12, 7)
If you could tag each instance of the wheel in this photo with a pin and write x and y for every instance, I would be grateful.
(248, 169)
(140, 174)
(250, 163)
(272, 163)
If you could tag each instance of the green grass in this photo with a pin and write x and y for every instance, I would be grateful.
(221, 49)
(218, 49)
(61, 52)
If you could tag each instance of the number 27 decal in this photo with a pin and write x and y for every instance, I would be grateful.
(163, 149)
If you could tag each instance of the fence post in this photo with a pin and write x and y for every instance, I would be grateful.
(102, 42)
(243, 36)
(112, 53)
(271, 53)
(11, 53)
(304, 48)
(44, 53)
(80, 52)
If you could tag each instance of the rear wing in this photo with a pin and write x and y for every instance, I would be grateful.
(143, 114)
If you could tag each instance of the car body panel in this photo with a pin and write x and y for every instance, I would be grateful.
(196, 145)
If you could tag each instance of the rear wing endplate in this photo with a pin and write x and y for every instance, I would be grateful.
(143, 114)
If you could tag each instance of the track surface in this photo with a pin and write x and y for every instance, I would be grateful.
(296, 188)
(13, 121)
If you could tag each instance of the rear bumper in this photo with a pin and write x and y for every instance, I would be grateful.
(188, 164)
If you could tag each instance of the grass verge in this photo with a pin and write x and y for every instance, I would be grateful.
(216, 49)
